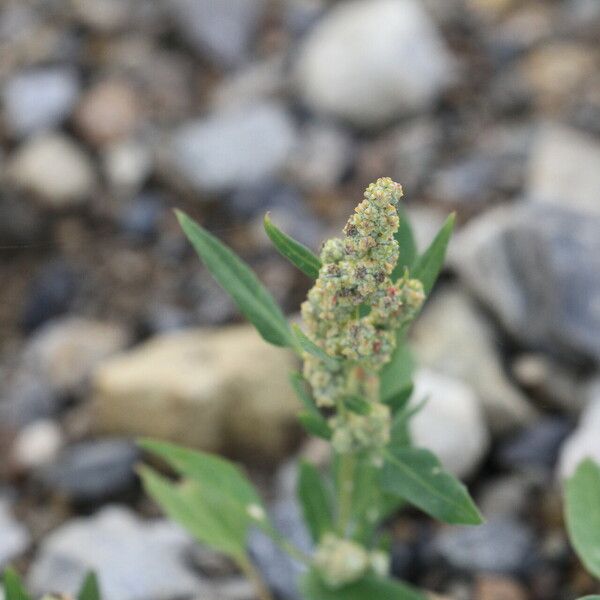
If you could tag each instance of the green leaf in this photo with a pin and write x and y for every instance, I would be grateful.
(299, 387)
(238, 280)
(315, 501)
(90, 589)
(406, 243)
(13, 587)
(590, 598)
(400, 400)
(416, 475)
(298, 254)
(315, 424)
(368, 588)
(582, 511)
(397, 375)
(358, 405)
(309, 346)
(430, 263)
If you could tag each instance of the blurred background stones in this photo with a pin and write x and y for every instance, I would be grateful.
(114, 112)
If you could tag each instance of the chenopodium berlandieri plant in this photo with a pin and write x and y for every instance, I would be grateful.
(355, 387)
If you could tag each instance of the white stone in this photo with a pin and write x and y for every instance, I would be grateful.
(55, 168)
(368, 61)
(451, 423)
(37, 444)
(127, 164)
(14, 538)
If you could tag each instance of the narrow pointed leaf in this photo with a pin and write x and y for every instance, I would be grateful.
(406, 244)
(298, 254)
(358, 405)
(315, 501)
(238, 280)
(397, 375)
(299, 387)
(400, 400)
(90, 589)
(309, 346)
(582, 511)
(315, 425)
(368, 588)
(416, 475)
(429, 265)
(13, 587)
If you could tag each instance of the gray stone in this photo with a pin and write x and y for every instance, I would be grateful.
(25, 398)
(92, 471)
(39, 99)
(134, 559)
(54, 168)
(454, 337)
(502, 545)
(14, 538)
(536, 266)
(368, 61)
(213, 154)
(563, 168)
(451, 422)
(222, 31)
(506, 495)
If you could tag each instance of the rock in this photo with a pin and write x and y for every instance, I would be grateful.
(563, 168)
(453, 337)
(39, 99)
(222, 31)
(536, 447)
(233, 588)
(451, 423)
(127, 165)
(502, 545)
(37, 444)
(506, 495)
(491, 587)
(133, 559)
(211, 389)
(108, 112)
(212, 154)
(140, 220)
(24, 399)
(370, 61)
(14, 538)
(584, 442)
(21, 223)
(535, 266)
(323, 155)
(54, 168)
(92, 471)
(105, 16)
(65, 351)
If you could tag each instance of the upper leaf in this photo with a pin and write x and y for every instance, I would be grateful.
(13, 587)
(582, 510)
(368, 588)
(416, 475)
(238, 280)
(309, 346)
(298, 254)
(406, 244)
(315, 501)
(430, 263)
(396, 376)
(90, 589)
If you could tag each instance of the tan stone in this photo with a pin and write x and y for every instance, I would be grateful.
(491, 587)
(222, 390)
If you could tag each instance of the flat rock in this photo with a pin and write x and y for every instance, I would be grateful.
(451, 423)
(212, 389)
(133, 559)
(454, 337)
(369, 61)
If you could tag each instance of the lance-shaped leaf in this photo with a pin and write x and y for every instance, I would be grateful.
(298, 254)
(429, 265)
(396, 376)
(299, 387)
(416, 475)
(368, 588)
(238, 280)
(582, 509)
(406, 244)
(13, 587)
(90, 589)
(315, 424)
(309, 346)
(315, 501)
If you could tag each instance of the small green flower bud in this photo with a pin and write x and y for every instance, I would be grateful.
(340, 561)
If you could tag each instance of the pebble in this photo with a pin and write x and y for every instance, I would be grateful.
(92, 471)
(127, 165)
(140, 219)
(499, 588)
(37, 444)
(14, 537)
(21, 223)
(39, 99)
(108, 112)
(501, 545)
(54, 168)
(451, 423)
(506, 495)
(397, 62)
(212, 153)
(222, 31)
(133, 559)
(454, 337)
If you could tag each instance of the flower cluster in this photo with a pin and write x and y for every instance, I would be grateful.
(352, 313)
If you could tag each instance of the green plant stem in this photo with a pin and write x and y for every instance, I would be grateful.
(250, 571)
(345, 492)
(287, 546)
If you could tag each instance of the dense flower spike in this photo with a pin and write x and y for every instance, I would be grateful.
(352, 313)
